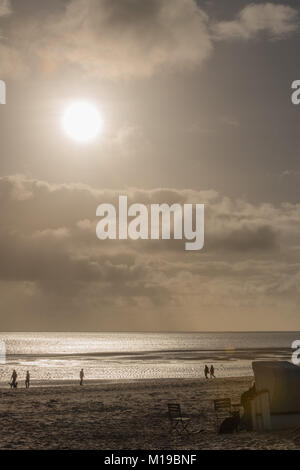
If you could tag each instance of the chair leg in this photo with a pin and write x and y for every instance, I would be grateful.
(185, 428)
(174, 427)
(180, 427)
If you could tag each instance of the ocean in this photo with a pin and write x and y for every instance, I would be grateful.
(58, 357)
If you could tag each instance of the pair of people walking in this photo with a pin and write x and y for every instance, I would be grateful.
(14, 376)
(210, 372)
(13, 379)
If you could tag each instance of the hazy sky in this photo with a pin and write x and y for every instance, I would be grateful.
(195, 99)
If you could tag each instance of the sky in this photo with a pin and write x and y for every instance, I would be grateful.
(195, 98)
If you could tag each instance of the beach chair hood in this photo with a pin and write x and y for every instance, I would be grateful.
(282, 380)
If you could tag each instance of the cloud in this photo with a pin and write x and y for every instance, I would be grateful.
(274, 20)
(113, 38)
(230, 121)
(245, 239)
(64, 212)
(59, 219)
(294, 174)
(11, 62)
(132, 38)
(5, 7)
(51, 256)
(53, 262)
(125, 39)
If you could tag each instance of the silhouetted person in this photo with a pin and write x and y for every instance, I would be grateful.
(27, 380)
(14, 383)
(212, 372)
(81, 375)
(206, 371)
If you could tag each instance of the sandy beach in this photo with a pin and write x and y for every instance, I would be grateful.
(126, 415)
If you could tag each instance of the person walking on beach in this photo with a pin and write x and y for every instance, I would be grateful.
(206, 371)
(27, 380)
(212, 372)
(81, 375)
(14, 383)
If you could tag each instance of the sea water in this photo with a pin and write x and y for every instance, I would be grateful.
(58, 357)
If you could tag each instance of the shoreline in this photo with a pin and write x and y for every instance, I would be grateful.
(35, 384)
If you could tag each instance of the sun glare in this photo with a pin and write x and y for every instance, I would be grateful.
(82, 121)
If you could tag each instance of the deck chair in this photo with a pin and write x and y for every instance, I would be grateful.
(222, 407)
(178, 422)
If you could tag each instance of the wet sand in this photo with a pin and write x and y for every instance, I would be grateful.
(126, 415)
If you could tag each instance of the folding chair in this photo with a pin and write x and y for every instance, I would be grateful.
(178, 422)
(222, 407)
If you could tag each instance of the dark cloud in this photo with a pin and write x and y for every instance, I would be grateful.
(244, 239)
(67, 268)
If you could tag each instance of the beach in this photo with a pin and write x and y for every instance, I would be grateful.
(120, 415)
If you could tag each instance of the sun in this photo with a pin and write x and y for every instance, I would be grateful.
(82, 121)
